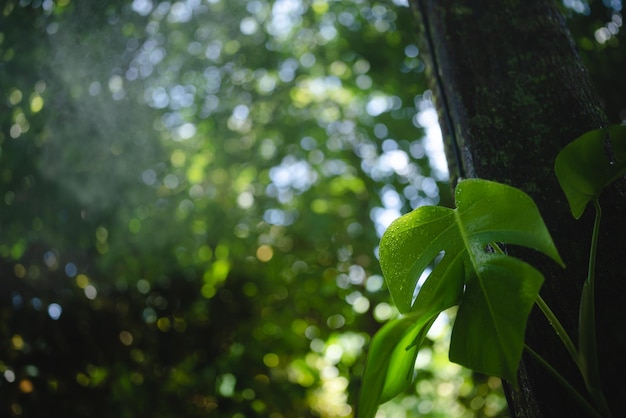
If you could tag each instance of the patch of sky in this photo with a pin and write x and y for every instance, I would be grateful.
(421, 190)
(142, 7)
(182, 11)
(248, 26)
(286, 14)
(287, 70)
(426, 118)
(279, 217)
(54, 311)
(294, 174)
(578, 6)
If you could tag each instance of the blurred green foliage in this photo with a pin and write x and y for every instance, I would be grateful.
(191, 198)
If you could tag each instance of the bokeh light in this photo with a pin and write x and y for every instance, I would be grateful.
(192, 197)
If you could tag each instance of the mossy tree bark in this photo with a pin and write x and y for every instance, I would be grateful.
(512, 92)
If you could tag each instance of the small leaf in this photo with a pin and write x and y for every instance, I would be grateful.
(486, 212)
(589, 164)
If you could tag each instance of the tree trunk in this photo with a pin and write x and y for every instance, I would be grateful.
(511, 93)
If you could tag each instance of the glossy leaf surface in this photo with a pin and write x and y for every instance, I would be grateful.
(394, 348)
(590, 163)
(500, 290)
(390, 362)
(488, 334)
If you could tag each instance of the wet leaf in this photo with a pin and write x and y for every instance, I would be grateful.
(500, 290)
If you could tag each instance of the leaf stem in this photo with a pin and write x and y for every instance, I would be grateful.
(594, 242)
(591, 273)
(587, 340)
(586, 359)
(591, 279)
(558, 328)
(581, 400)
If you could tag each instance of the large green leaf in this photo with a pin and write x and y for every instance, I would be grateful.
(590, 163)
(500, 290)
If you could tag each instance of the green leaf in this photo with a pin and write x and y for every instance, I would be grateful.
(402, 360)
(488, 330)
(588, 356)
(392, 351)
(409, 246)
(390, 361)
(500, 289)
(589, 164)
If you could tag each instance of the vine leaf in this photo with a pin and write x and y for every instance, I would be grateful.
(390, 362)
(495, 291)
(590, 163)
(584, 168)
(394, 348)
(488, 333)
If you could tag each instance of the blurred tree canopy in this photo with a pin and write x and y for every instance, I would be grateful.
(191, 197)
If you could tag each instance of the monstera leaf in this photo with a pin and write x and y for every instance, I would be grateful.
(589, 164)
(394, 348)
(390, 361)
(495, 291)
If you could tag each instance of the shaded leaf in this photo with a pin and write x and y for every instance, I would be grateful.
(488, 330)
(390, 361)
(394, 348)
(402, 360)
(385, 345)
(590, 163)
